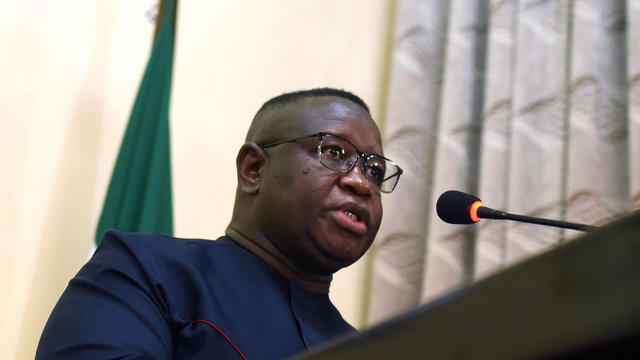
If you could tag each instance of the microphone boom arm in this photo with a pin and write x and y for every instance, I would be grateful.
(489, 213)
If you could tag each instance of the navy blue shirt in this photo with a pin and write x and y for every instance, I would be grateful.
(144, 296)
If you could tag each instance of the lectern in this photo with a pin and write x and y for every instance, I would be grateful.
(579, 300)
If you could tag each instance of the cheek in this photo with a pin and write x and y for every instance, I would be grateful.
(316, 179)
(377, 213)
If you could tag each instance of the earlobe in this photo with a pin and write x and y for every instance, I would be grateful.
(249, 163)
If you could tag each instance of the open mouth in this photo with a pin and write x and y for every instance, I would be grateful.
(353, 216)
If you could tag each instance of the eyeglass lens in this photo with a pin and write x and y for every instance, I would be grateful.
(339, 155)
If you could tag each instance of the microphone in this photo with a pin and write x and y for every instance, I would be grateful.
(456, 207)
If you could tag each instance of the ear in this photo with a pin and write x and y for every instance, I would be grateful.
(249, 163)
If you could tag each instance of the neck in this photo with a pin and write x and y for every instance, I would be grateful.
(265, 250)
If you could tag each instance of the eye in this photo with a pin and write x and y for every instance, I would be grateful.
(333, 152)
(375, 170)
(375, 174)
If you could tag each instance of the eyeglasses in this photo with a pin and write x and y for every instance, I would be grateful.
(339, 154)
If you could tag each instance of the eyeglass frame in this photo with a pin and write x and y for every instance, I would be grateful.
(359, 154)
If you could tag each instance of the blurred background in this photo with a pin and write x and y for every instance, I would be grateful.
(534, 105)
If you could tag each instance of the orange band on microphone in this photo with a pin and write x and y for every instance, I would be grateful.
(473, 211)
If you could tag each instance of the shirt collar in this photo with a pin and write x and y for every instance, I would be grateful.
(266, 251)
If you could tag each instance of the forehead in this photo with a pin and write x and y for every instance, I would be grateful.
(337, 116)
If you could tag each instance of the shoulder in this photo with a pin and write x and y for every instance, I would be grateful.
(130, 297)
(148, 245)
(165, 266)
(161, 257)
(138, 239)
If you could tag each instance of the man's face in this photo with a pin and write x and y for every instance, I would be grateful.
(321, 219)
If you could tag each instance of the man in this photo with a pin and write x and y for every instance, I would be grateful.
(307, 204)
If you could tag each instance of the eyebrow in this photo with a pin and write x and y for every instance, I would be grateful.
(351, 142)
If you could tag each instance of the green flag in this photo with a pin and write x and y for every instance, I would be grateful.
(139, 197)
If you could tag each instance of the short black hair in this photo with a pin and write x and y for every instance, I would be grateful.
(291, 97)
(259, 120)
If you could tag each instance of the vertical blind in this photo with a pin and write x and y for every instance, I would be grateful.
(533, 105)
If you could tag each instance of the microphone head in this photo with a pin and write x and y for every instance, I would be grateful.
(455, 207)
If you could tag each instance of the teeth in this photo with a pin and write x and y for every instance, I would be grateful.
(351, 214)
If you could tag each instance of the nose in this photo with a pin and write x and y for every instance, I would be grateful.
(356, 181)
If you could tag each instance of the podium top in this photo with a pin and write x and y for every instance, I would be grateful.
(581, 298)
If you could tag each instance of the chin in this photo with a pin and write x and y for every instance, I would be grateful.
(348, 254)
(338, 259)
(331, 267)
(330, 262)
(339, 251)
